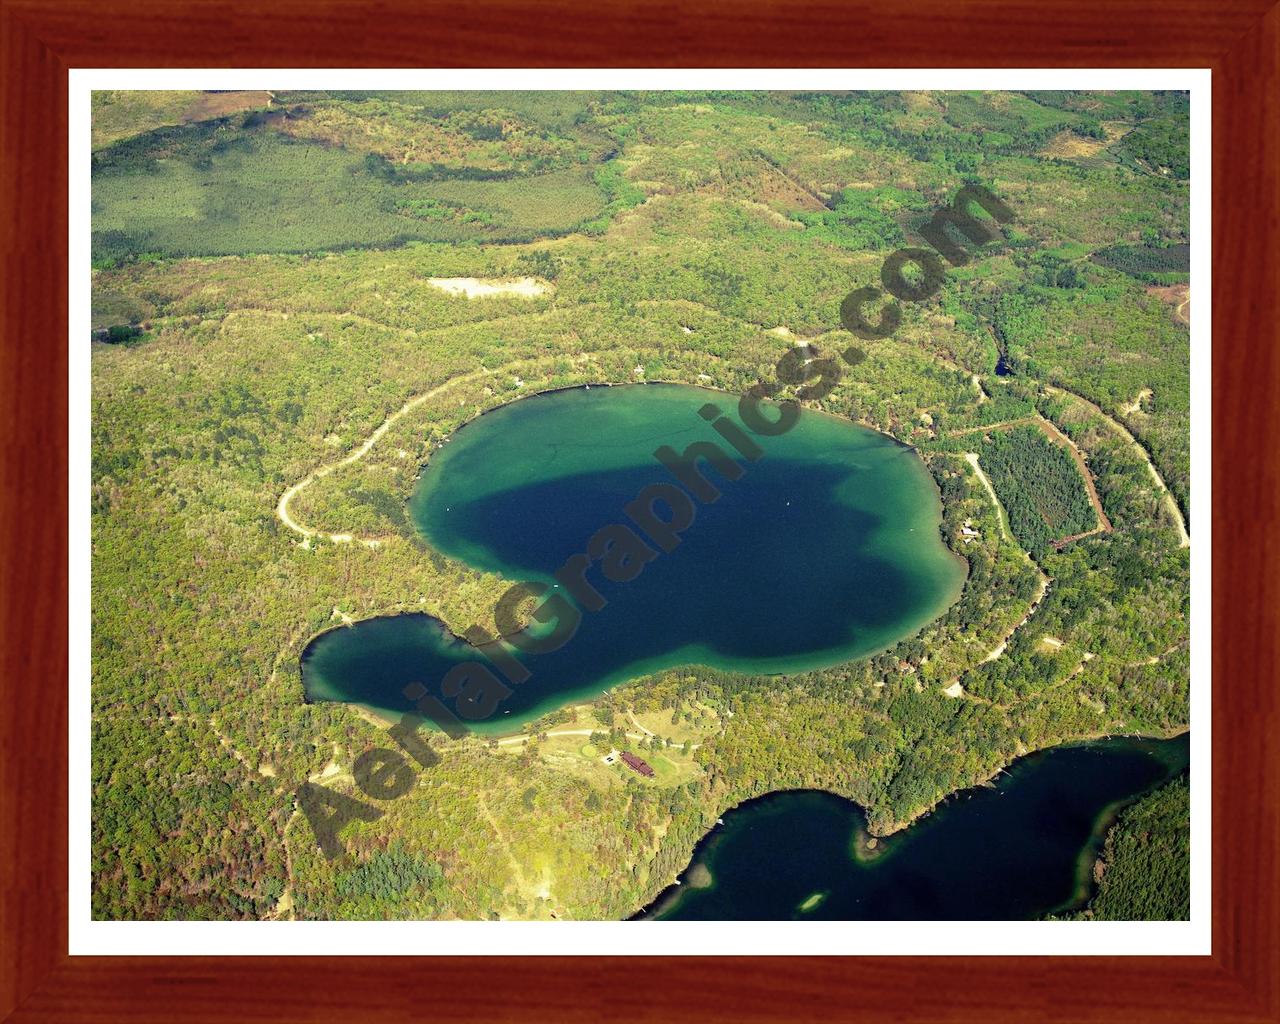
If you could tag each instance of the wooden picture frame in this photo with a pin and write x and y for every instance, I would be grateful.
(42, 39)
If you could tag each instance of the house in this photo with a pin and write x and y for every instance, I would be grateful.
(637, 764)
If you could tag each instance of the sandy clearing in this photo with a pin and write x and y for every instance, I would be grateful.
(1178, 296)
(285, 904)
(265, 769)
(483, 288)
(1067, 144)
(771, 215)
(954, 690)
(211, 105)
(525, 737)
(1136, 404)
(1116, 130)
(330, 770)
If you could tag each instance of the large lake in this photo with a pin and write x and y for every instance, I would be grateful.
(825, 550)
(1019, 850)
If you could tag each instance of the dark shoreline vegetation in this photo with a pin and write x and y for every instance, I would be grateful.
(689, 238)
(766, 861)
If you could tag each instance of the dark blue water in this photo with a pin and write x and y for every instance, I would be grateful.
(825, 550)
(1018, 851)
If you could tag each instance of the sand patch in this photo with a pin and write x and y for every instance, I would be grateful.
(954, 690)
(812, 902)
(1178, 296)
(917, 101)
(772, 216)
(330, 770)
(1067, 145)
(1136, 406)
(484, 288)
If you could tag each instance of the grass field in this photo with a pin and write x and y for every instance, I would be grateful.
(122, 114)
(267, 194)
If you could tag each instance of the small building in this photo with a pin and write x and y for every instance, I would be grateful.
(637, 764)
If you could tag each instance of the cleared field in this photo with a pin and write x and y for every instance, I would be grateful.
(1067, 145)
(122, 114)
(203, 195)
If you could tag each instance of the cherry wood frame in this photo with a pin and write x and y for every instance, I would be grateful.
(41, 39)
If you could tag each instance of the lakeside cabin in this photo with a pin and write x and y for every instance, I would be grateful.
(637, 764)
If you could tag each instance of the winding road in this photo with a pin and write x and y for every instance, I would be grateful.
(1184, 538)
(972, 459)
(282, 508)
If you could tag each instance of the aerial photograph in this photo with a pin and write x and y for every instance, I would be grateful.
(640, 506)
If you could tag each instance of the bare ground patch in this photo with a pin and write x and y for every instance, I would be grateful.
(1067, 145)
(220, 104)
(1138, 405)
(480, 288)
(1176, 295)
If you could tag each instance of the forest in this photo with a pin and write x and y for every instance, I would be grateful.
(1152, 264)
(1144, 873)
(271, 273)
(1039, 487)
(293, 182)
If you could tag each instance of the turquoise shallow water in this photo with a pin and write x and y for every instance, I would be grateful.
(826, 549)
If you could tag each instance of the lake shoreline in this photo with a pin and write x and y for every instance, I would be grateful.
(1088, 854)
(828, 653)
